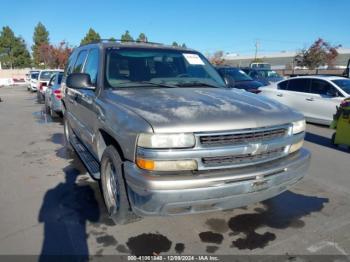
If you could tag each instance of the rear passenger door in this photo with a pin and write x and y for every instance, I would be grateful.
(323, 100)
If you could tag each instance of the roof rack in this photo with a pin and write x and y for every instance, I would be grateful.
(120, 41)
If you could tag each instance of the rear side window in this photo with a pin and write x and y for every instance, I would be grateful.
(283, 85)
(321, 87)
(80, 62)
(299, 85)
(91, 66)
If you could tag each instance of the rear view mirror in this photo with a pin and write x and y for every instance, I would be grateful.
(79, 81)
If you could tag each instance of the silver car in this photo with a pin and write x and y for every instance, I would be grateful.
(315, 96)
(157, 125)
(53, 95)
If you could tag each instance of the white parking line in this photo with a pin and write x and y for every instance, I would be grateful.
(320, 245)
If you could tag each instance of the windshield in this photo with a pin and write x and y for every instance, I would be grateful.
(237, 75)
(268, 73)
(46, 75)
(161, 68)
(34, 75)
(344, 84)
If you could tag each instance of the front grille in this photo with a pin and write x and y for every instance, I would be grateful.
(242, 158)
(242, 138)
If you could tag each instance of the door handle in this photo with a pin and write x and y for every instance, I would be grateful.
(310, 99)
(280, 95)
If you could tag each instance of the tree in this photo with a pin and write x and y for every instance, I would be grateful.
(40, 36)
(13, 50)
(54, 56)
(126, 37)
(175, 44)
(318, 54)
(142, 38)
(62, 53)
(112, 39)
(217, 58)
(46, 55)
(183, 45)
(91, 36)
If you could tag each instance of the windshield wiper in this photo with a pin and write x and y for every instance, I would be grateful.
(156, 84)
(196, 83)
(144, 83)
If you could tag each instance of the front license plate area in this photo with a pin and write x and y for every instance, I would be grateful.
(259, 185)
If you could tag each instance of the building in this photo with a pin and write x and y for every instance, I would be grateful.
(281, 60)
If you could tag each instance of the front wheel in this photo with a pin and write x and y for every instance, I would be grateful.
(113, 186)
(67, 133)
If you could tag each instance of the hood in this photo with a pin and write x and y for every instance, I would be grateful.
(201, 109)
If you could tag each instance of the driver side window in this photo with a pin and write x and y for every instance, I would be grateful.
(322, 87)
(91, 66)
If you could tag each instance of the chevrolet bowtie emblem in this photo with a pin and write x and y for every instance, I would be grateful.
(258, 148)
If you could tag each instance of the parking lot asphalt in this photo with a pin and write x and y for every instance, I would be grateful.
(50, 204)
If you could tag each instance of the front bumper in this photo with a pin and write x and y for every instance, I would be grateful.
(214, 190)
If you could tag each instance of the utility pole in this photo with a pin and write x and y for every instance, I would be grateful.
(256, 49)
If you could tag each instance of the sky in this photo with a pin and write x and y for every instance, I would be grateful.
(205, 25)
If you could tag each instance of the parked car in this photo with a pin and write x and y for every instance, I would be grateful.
(43, 79)
(160, 129)
(236, 78)
(53, 95)
(33, 81)
(260, 65)
(315, 96)
(347, 70)
(264, 76)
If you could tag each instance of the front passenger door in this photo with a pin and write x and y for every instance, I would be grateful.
(323, 100)
(87, 111)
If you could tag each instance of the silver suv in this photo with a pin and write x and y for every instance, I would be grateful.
(157, 125)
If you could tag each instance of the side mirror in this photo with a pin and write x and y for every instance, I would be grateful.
(79, 81)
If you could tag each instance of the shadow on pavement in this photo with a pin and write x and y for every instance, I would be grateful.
(322, 141)
(65, 210)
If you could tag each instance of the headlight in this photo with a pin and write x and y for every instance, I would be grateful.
(166, 140)
(299, 126)
(166, 165)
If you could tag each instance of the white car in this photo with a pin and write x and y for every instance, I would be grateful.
(315, 96)
(43, 80)
(33, 79)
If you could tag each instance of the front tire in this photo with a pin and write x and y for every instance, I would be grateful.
(113, 186)
(67, 133)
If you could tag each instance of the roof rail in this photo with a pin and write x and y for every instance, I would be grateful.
(120, 41)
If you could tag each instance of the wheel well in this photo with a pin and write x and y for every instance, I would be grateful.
(106, 140)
